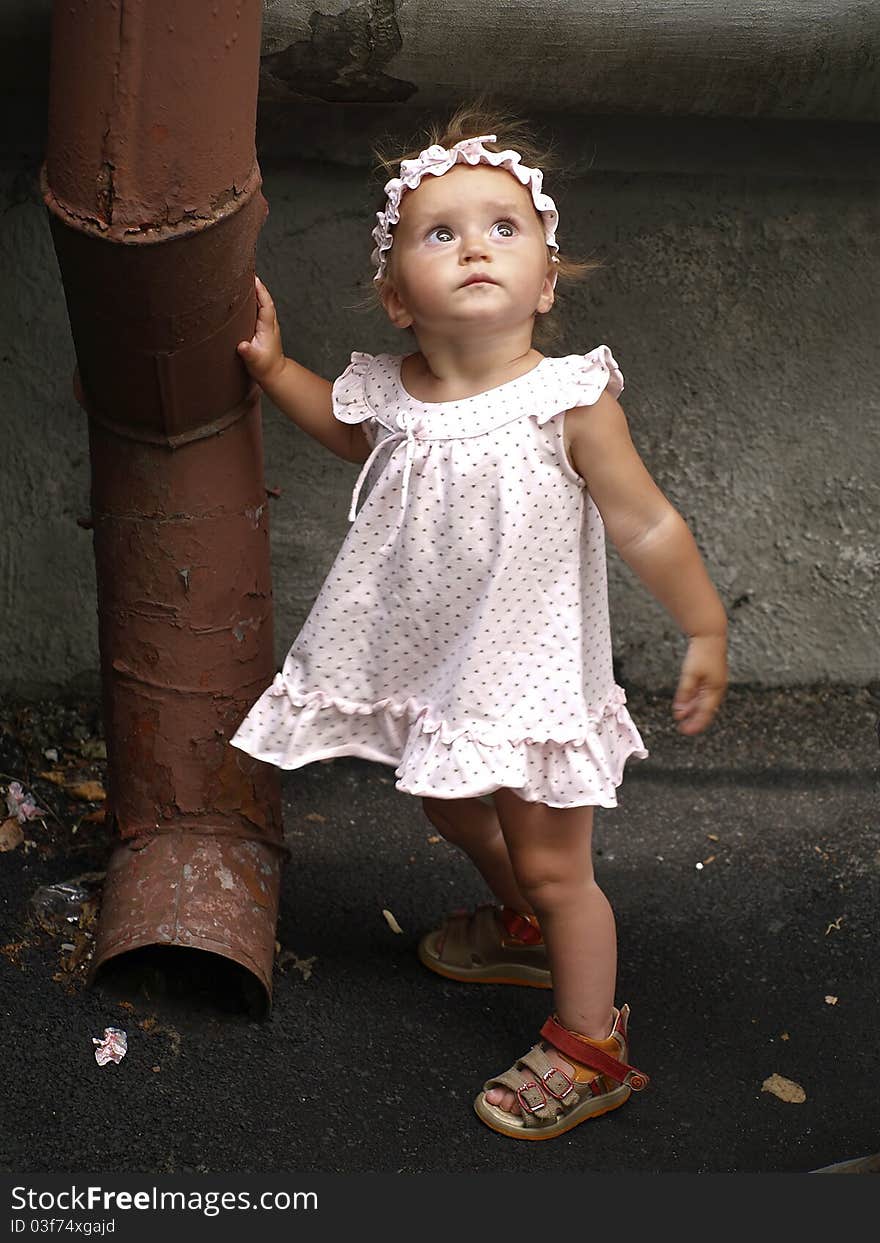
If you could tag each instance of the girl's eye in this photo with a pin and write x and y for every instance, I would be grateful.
(442, 233)
(504, 229)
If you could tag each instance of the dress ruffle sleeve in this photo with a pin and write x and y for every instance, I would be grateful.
(349, 391)
(579, 380)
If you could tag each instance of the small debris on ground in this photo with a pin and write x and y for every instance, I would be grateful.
(12, 951)
(830, 999)
(303, 965)
(153, 1027)
(111, 1047)
(72, 901)
(21, 804)
(92, 749)
(785, 1089)
(834, 925)
(391, 921)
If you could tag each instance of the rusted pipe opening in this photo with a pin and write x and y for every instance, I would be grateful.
(201, 900)
(171, 978)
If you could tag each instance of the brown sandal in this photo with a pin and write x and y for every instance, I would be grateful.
(490, 945)
(552, 1102)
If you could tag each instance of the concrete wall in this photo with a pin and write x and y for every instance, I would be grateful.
(738, 294)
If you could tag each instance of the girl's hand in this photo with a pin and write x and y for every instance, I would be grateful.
(263, 355)
(702, 683)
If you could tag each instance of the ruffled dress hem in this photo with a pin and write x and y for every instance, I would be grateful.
(433, 760)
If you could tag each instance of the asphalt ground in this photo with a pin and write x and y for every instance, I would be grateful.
(761, 962)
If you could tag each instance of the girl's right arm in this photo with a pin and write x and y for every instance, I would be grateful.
(297, 392)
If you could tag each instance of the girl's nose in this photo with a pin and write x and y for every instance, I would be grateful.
(474, 246)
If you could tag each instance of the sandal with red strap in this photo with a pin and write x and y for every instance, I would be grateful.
(490, 945)
(551, 1100)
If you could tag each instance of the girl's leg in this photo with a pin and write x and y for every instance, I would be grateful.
(550, 850)
(473, 826)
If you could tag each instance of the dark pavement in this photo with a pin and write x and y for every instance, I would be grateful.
(764, 961)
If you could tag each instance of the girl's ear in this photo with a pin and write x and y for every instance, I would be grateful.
(393, 304)
(548, 295)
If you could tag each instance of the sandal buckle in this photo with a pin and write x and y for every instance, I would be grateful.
(556, 1074)
(534, 1088)
(520, 927)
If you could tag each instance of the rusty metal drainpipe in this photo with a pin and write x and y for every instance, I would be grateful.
(153, 191)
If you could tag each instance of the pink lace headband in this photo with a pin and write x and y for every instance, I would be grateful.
(438, 160)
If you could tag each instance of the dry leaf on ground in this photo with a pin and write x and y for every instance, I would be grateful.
(830, 1000)
(11, 834)
(56, 775)
(391, 921)
(12, 951)
(88, 791)
(77, 952)
(785, 1089)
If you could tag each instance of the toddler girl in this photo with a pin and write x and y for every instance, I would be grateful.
(462, 634)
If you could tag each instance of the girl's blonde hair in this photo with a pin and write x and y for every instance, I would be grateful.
(467, 121)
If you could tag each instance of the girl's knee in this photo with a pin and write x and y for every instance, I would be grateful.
(549, 893)
(552, 875)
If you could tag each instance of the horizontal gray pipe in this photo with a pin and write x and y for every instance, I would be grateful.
(794, 59)
(783, 59)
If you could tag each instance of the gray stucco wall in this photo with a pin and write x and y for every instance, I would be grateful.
(738, 295)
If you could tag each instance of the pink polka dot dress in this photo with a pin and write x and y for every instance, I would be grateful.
(462, 634)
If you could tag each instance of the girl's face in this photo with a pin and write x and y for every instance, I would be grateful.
(469, 255)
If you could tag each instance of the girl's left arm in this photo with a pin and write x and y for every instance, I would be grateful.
(655, 542)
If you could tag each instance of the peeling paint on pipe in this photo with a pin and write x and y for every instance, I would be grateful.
(154, 201)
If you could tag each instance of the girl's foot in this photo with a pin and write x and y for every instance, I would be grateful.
(491, 945)
(562, 1081)
(506, 1099)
